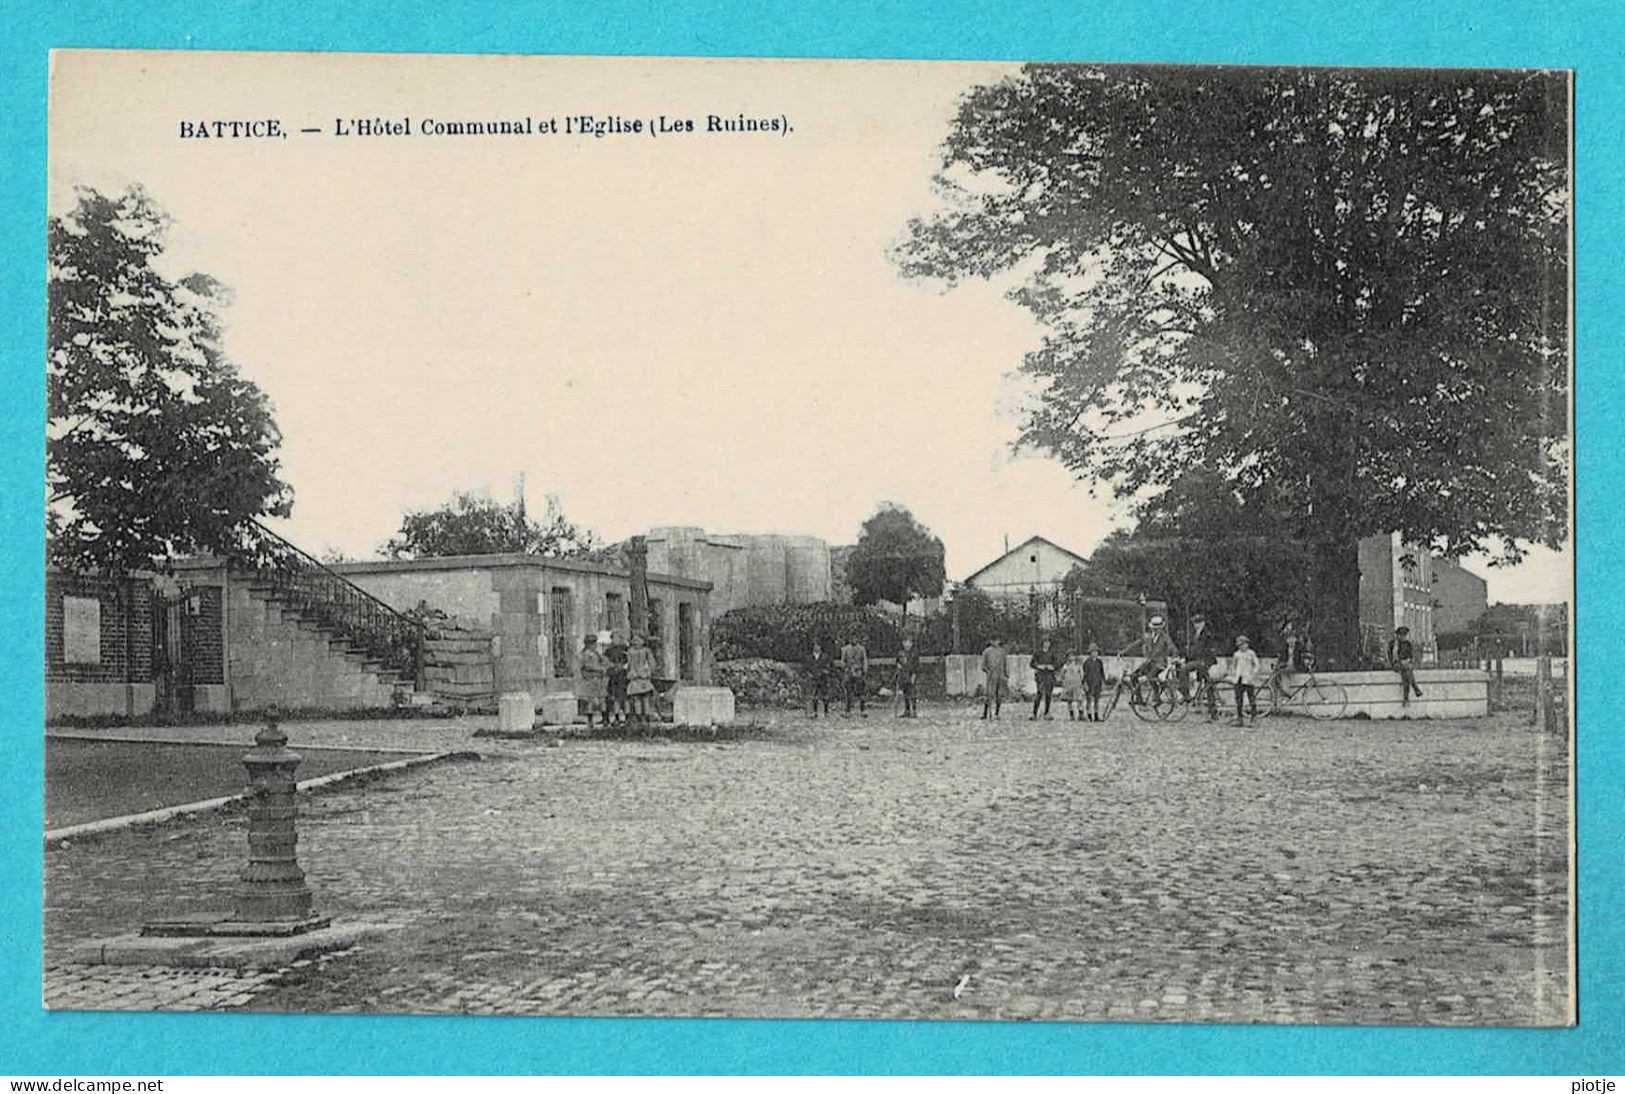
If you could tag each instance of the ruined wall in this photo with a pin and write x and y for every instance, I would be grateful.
(745, 570)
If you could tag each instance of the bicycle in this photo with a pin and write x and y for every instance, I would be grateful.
(1320, 699)
(1212, 697)
(1164, 695)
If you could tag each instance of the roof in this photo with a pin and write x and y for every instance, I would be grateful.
(485, 562)
(1028, 542)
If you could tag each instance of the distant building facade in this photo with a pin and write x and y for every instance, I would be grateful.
(1031, 573)
(1459, 597)
(1037, 565)
(1396, 590)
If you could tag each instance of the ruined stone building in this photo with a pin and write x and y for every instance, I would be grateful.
(744, 570)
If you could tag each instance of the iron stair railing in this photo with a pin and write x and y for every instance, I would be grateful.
(343, 608)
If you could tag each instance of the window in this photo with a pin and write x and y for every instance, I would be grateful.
(615, 613)
(685, 641)
(560, 629)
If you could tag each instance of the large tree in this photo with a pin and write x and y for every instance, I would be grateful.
(1345, 291)
(155, 446)
(896, 558)
(473, 525)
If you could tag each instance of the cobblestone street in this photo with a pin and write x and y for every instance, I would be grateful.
(1361, 872)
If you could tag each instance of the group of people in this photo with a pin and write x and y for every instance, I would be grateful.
(1201, 656)
(847, 674)
(615, 683)
(1082, 680)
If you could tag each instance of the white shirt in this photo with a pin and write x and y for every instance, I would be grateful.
(1244, 666)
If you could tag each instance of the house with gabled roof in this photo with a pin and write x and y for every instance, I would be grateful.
(1037, 565)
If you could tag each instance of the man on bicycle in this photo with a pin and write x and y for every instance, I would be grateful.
(1200, 658)
(1158, 647)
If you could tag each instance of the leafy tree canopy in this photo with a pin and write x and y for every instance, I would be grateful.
(156, 447)
(1201, 548)
(1345, 291)
(474, 525)
(896, 558)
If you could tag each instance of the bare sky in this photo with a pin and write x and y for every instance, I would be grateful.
(686, 329)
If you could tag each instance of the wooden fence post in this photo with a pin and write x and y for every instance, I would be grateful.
(1543, 692)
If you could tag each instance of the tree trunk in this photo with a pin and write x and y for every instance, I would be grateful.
(1333, 620)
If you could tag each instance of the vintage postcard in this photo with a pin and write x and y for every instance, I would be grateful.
(849, 539)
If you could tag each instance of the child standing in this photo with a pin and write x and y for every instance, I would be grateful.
(1094, 681)
(640, 665)
(1072, 686)
(1243, 672)
(908, 672)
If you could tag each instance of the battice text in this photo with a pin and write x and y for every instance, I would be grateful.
(213, 128)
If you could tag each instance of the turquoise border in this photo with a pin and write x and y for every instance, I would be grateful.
(1582, 35)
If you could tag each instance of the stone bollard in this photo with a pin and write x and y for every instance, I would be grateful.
(559, 709)
(515, 712)
(271, 888)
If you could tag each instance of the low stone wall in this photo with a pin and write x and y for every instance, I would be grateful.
(93, 699)
(1446, 693)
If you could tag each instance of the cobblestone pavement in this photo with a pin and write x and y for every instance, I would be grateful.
(1354, 871)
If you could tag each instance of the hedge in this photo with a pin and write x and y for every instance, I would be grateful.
(786, 632)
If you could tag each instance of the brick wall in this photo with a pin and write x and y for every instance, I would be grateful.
(203, 647)
(114, 624)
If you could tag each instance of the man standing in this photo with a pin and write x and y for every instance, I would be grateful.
(994, 668)
(615, 658)
(592, 672)
(1044, 667)
(820, 675)
(1199, 661)
(908, 672)
(855, 668)
(1402, 656)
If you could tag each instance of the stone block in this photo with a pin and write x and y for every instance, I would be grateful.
(697, 706)
(211, 698)
(558, 709)
(515, 712)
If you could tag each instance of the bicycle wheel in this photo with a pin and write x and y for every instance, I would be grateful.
(1224, 698)
(1179, 707)
(1153, 702)
(1139, 700)
(1322, 699)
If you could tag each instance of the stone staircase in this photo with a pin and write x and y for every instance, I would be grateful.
(280, 655)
